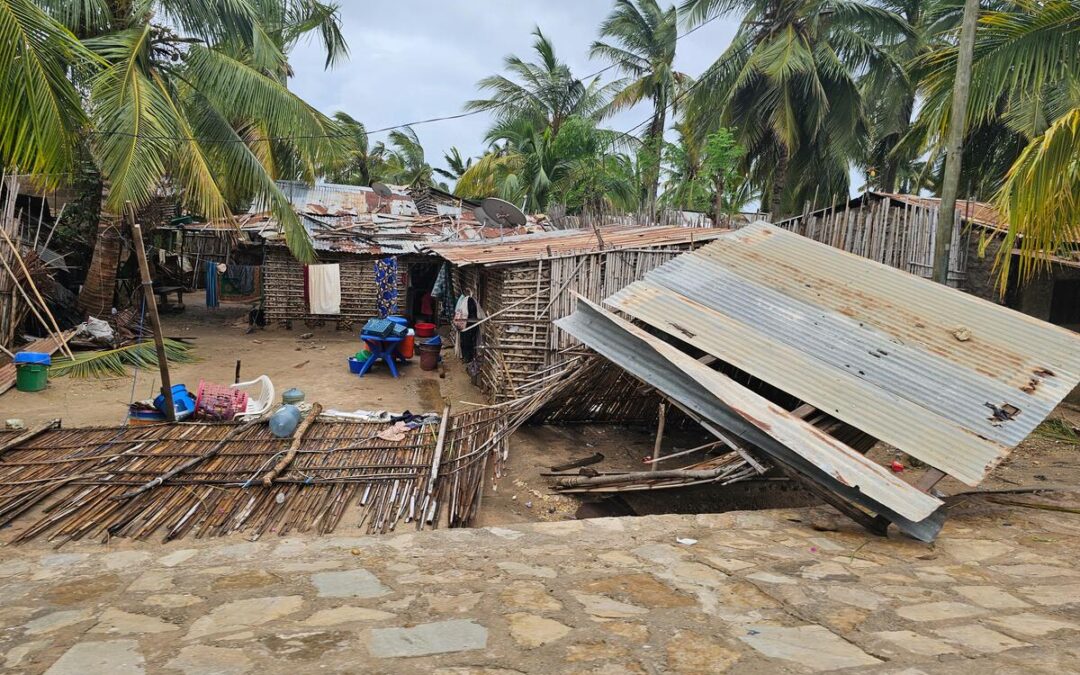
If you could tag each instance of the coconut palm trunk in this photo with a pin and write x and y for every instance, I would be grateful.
(779, 182)
(96, 296)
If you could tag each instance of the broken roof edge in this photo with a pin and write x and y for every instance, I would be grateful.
(787, 439)
(553, 244)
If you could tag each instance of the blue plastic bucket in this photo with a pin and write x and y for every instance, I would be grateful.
(354, 365)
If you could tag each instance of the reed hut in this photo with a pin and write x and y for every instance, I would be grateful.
(524, 283)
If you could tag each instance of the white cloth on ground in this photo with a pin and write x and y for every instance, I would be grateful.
(324, 289)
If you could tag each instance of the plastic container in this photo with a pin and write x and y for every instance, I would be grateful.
(408, 345)
(429, 355)
(355, 365)
(32, 371)
(284, 421)
(219, 402)
(292, 396)
(183, 402)
(424, 330)
(399, 320)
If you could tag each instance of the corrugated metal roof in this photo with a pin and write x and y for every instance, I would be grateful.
(979, 213)
(530, 247)
(913, 363)
(797, 444)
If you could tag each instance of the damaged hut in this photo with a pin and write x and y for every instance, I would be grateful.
(368, 248)
(522, 284)
(782, 347)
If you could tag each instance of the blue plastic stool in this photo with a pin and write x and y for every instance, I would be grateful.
(384, 348)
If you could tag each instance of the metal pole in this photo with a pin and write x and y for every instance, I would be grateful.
(954, 143)
(155, 321)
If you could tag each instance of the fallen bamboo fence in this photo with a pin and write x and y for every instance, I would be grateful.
(70, 484)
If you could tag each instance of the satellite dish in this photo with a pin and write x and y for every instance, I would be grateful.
(382, 190)
(482, 218)
(502, 212)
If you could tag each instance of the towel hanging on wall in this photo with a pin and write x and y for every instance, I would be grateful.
(324, 289)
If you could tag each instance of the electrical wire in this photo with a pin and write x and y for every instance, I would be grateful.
(429, 120)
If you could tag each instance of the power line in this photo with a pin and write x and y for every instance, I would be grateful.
(430, 120)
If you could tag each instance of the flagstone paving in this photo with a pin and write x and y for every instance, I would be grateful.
(786, 591)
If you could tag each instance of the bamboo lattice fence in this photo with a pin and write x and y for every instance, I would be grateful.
(66, 484)
(897, 234)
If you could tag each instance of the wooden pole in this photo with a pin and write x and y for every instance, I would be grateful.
(155, 322)
(44, 307)
(659, 435)
(298, 438)
(236, 375)
(950, 183)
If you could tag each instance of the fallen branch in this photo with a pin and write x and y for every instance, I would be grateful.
(630, 476)
(290, 454)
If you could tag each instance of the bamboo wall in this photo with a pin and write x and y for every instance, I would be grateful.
(521, 344)
(283, 284)
(897, 235)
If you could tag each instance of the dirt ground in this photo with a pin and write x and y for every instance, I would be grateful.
(318, 366)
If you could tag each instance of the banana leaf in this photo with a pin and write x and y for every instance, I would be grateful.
(115, 362)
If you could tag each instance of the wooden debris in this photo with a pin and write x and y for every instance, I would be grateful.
(294, 447)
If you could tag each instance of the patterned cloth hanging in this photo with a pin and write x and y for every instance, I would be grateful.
(386, 272)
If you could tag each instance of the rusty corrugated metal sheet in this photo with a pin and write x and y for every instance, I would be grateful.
(915, 364)
(530, 247)
(979, 213)
(785, 438)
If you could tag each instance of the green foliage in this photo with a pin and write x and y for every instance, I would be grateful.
(174, 93)
(114, 362)
(697, 172)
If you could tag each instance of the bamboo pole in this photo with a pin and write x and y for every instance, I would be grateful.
(149, 485)
(439, 443)
(298, 439)
(155, 320)
(29, 434)
(659, 434)
(29, 302)
(22, 264)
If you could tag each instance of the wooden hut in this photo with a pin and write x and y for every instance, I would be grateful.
(524, 283)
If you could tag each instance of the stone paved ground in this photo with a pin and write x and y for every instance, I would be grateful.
(762, 592)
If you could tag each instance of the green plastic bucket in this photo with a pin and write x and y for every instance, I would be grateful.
(31, 376)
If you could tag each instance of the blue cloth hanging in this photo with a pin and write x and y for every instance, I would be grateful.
(386, 271)
(212, 300)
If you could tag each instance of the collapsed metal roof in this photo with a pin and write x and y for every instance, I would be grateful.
(948, 378)
(530, 247)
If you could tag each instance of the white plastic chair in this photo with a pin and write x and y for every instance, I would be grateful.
(260, 397)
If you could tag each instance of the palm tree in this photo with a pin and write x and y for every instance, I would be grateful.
(456, 166)
(177, 93)
(363, 163)
(889, 87)
(544, 93)
(787, 85)
(642, 47)
(1024, 78)
(405, 163)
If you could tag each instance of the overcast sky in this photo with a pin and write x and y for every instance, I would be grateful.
(412, 60)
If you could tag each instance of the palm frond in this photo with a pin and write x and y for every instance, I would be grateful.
(40, 109)
(115, 362)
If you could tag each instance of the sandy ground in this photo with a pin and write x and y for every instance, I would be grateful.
(318, 366)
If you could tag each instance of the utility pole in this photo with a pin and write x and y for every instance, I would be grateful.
(155, 321)
(954, 143)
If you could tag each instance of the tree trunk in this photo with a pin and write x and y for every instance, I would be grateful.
(656, 143)
(96, 296)
(718, 202)
(954, 143)
(779, 182)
